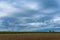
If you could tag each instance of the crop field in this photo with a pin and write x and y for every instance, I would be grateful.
(30, 36)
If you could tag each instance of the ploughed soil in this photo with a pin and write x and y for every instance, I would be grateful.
(30, 36)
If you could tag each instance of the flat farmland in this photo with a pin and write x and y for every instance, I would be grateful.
(30, 36)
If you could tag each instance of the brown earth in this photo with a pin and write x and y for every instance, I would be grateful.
(31, 36)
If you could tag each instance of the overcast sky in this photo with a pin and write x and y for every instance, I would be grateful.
(29, 15)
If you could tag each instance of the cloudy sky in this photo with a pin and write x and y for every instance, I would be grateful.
(29, 15)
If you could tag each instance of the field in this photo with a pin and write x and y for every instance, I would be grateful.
(29, 36)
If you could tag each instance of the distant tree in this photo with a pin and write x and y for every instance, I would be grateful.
(51, 31)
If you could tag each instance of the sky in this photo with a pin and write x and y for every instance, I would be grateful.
(30, 15)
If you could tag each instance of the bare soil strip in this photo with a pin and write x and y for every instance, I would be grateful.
(31, 36)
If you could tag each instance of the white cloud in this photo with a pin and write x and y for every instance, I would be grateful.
(34, 24)
(6, 9)
(30, 5)
(56, 19)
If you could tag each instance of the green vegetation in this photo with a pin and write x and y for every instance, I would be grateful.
(24, 32)
(6, 32)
